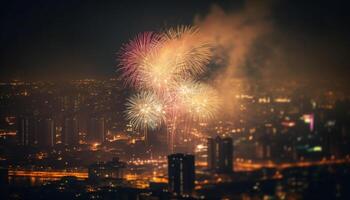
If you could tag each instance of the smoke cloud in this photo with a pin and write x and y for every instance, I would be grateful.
(234, 35)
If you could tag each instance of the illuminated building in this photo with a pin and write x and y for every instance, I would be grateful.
(181, 173)
(220, 153)
(36, 132)
(107, 170)
(23, 131)
(263, 150)
(27, 130)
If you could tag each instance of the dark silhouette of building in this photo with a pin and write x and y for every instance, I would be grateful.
(23, 131)
(28, 130)
(96, 129)
(181, 173)
(220, 156)
(33, 131)
(47, 133)
(70, 134)
(3, 176)
(4, 187)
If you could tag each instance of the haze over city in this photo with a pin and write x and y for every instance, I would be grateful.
(174, 100)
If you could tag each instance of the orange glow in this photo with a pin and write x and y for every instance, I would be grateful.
(159, 180)
(47, 174)
(248, 166)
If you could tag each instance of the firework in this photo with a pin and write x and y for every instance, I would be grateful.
(159, 71)
(202, 102)
(164, 68)
(178, 54)
(145, 110)
(133, 54)
(190, 52)
(183, 91)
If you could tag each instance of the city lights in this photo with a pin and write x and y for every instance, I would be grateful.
(180, 100)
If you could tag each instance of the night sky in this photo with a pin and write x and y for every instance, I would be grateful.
(76, 39)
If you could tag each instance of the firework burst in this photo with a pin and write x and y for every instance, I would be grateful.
(190, 52)
(178, 54)
(202, 102)
(159, 71)
(164, 67)
(145, 110)
(132, 56)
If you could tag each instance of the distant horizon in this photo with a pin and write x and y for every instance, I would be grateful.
(49, 40)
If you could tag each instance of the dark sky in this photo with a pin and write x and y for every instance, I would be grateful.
(79, 38)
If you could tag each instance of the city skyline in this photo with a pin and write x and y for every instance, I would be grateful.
(174, 100)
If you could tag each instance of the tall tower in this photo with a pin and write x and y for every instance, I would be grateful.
(28, 129)
(96, 129)
(47, 138)
(23, 131)
(70, 135)
(181, 173)
(220, 154)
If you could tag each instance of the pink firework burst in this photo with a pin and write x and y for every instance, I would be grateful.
(132, 56)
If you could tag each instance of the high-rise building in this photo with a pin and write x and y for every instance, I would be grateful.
(32, 131)
(70, 135)
(96, 129)
(47, 133)
(23, 131)
(4, 182)
(3, 176)
(181, 173)
(27, 131)
(220, 154)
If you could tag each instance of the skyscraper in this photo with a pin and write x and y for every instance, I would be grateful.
(96, 129)
(70, 135)
(4, 181)
(47, 133)
(23, 131)
(27, 130)
(220, 152)
(181, 173)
